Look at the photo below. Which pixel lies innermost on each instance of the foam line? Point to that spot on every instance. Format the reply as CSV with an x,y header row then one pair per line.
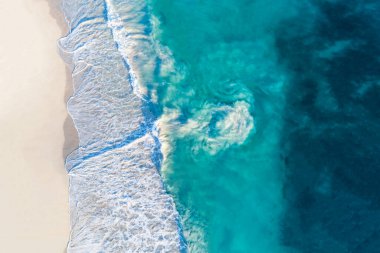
x,y
117,200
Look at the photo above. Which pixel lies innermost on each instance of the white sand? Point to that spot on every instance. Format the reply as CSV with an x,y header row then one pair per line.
x,y
34,213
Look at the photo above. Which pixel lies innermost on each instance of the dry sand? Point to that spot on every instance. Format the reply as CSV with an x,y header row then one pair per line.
x,y
34,215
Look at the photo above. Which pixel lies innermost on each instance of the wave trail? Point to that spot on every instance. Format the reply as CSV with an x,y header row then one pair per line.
x,y
117,200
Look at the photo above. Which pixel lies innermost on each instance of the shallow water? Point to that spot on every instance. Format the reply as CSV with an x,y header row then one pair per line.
x,y
224,168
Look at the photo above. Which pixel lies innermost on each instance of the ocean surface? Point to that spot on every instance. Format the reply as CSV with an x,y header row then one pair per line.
x,y
224,126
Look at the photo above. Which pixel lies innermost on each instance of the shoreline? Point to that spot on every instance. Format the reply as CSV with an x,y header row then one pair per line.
x,y
116,151
70,131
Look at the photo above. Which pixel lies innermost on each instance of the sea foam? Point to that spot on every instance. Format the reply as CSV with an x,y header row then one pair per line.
x,y
117,200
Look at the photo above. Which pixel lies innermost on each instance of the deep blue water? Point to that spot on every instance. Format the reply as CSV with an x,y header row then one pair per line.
x,y
331,139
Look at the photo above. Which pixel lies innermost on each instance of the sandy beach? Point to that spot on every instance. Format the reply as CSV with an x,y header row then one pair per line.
x,y
34,213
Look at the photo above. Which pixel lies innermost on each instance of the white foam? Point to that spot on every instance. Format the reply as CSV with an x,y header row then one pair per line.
x,y
214,127
117,200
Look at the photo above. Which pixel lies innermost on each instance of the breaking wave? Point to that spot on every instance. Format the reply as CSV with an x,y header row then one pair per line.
x,y
118,202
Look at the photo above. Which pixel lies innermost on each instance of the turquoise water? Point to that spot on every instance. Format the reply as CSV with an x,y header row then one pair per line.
x,y
225,169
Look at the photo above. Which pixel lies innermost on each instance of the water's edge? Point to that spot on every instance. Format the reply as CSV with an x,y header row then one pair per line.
x,y
117,198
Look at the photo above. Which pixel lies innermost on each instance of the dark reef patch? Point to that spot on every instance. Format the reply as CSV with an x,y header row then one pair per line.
x,y
331,139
